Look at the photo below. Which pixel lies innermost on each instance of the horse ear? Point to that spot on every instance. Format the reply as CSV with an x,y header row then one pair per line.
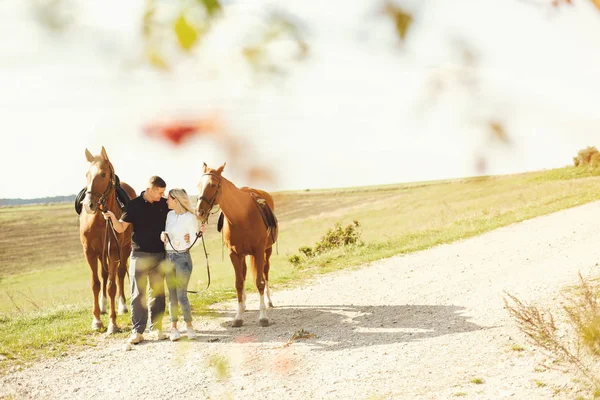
x,y
204,167
103,153
221,168
89,155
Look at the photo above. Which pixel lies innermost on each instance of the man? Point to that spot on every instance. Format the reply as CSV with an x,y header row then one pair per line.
x,y
147,213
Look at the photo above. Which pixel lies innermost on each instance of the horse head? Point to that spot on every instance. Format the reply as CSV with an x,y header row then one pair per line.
x,y
100,181
210,191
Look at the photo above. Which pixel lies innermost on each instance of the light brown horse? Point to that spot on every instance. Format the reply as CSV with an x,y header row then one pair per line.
x,y
100,242
245,233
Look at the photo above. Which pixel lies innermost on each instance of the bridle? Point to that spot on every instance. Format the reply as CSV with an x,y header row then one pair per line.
x,y
101,203
210,202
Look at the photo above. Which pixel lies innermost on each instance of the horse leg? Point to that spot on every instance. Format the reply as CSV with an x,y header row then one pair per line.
x,y
104,283
237,262
244,269
112,291
257,261
266,268
93,263
123,267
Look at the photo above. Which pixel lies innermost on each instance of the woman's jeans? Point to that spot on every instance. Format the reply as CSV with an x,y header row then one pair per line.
x,y
179,271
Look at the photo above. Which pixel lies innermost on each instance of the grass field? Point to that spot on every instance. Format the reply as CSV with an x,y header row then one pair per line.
x,y
45,296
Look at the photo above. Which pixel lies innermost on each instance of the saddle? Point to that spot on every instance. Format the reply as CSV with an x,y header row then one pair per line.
x,y
122,197
266,213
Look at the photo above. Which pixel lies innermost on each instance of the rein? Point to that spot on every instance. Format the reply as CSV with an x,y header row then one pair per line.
x,y
101,205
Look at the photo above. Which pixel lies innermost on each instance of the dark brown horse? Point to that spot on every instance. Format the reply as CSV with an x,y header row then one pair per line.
x,y
246,232
100,242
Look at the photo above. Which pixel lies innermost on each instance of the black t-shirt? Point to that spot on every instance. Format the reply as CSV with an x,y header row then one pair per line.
x,y
148,220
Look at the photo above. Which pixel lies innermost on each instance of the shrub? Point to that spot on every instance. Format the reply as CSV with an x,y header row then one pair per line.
x,y
587,156
338,236
334,238
294,260
307,251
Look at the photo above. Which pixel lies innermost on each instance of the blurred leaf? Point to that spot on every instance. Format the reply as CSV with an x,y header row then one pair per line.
x,y
256,173
55,15
401,18
147,19
303,50
212,6
156,59
254,55
186,33
499,132
597,4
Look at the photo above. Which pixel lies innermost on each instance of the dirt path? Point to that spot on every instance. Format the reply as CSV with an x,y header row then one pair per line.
x,y
421,326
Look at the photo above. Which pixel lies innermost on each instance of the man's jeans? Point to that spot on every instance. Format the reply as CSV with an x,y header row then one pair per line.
x,y
146,267
179,271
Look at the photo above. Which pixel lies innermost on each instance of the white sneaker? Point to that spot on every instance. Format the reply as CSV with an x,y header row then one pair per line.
x,y
191,333
174,336
159,335
135,338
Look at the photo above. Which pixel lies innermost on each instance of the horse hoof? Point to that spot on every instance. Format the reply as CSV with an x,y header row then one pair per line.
x,y
263,322
97,325
112,328
123,310
103,312
271,304
237,323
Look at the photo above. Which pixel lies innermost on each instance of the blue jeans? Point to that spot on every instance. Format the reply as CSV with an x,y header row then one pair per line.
x,y
144,268
179,271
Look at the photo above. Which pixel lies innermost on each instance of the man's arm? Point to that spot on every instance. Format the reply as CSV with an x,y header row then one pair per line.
x,y
120,226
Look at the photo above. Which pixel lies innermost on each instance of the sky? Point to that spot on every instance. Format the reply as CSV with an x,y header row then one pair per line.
x,y
358,111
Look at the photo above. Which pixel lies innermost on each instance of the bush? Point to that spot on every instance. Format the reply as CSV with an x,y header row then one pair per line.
x,y
334,238
588,156
338,237
307,251
295,260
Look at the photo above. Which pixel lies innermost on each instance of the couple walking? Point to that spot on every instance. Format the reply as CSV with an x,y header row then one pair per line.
x,y
163,232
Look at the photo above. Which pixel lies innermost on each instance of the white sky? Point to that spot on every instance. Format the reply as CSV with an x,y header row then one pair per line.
x,y
356,113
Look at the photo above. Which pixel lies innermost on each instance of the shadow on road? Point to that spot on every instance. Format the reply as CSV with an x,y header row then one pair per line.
x,y
347,326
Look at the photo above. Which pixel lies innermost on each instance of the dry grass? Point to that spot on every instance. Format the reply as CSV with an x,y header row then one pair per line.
x,y
579,342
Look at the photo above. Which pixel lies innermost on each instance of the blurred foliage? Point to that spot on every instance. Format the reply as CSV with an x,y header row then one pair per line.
x,y
194,21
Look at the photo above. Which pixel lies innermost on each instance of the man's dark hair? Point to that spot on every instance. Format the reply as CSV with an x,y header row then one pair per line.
x,y
157,181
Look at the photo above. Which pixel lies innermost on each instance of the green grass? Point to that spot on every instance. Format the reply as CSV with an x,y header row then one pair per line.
x,y
45,283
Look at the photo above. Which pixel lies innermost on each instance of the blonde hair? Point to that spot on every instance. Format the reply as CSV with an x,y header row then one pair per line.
x,y
182,198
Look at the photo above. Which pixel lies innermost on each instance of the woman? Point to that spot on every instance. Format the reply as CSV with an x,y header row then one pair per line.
x,y
180,231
